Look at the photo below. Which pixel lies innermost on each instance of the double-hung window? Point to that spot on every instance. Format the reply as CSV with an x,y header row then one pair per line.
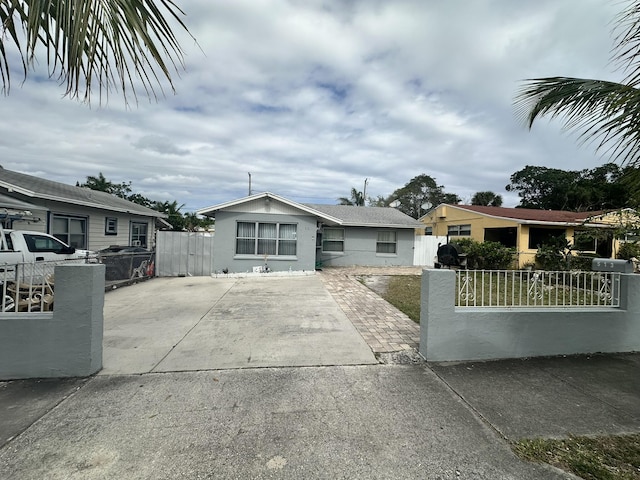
x,y
387,242
333,240
70,230
139,234
110,226
459,230
261,238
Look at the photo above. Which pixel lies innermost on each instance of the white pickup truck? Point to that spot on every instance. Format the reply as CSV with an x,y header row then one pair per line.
x,y
21,246
27,262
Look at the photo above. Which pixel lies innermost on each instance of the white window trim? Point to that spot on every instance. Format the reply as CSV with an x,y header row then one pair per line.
x,y
337,253
385,254
114,230
459,229
253,256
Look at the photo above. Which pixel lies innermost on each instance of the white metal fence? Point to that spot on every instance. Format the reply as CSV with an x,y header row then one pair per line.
x,y
27,287
184,254
518,288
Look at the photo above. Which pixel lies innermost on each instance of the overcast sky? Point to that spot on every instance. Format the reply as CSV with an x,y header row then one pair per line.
x,y
314,96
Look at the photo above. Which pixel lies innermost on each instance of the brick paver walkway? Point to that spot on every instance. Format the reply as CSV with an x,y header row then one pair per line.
x,y
385,328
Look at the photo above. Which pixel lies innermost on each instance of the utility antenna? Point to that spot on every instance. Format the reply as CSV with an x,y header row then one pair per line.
x,y
364,191
249,183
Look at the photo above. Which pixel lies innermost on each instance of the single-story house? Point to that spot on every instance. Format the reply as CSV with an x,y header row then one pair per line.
x,y
78,216
522,228
267,230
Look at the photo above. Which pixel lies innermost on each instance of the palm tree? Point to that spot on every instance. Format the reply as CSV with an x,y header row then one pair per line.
x,y
608,112
172,210
487,198
94,43
357,199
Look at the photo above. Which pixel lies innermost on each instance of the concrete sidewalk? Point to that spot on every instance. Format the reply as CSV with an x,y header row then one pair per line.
x,y
380,421
551,397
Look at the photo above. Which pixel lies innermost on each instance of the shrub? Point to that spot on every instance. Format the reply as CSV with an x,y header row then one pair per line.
x,y
629,250
554,254
486,255
582,262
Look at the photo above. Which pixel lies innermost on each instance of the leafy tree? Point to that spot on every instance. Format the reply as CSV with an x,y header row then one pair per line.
x,y
356,199
174,215
140,200
546,188
606,112
178,220
101,184
379,201
419,191
94,43
192,222
487,199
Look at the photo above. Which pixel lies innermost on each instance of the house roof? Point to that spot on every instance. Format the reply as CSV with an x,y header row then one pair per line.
x,y
346,215
530,215
368,216
10,203
35,187
211,211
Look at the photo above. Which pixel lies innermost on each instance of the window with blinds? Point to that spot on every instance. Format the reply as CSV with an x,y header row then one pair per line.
x,y
333,240
258,238
386,242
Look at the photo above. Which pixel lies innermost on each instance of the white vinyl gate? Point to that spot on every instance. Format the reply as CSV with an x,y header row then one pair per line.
x,y
425,249
180,254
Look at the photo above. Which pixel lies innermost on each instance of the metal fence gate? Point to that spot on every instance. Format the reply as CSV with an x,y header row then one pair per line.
x,y
184,254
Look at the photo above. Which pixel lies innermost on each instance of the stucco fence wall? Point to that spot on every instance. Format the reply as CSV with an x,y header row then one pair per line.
x,y
449,333
64,343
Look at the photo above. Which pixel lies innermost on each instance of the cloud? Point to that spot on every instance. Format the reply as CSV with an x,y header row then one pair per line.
x,y
314,97
159,144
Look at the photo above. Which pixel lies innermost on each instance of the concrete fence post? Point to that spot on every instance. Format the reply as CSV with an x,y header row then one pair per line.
x,y
437,305
79,304
64,343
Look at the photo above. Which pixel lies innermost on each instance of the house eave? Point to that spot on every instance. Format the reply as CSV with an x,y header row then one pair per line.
x,y
380,225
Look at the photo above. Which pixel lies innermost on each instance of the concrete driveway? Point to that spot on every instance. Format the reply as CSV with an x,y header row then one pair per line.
x,y
203,323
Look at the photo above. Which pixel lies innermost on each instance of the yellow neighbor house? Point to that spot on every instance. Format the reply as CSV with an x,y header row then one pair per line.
x,y
524,229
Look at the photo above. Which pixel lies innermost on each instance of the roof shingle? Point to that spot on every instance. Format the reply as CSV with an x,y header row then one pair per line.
x,y
36,187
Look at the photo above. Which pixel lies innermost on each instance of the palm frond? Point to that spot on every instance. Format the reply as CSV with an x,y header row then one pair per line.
x,y
102,44
604,112
626,49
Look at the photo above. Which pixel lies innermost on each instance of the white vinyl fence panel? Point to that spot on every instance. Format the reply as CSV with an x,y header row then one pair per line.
x,y
184,254
426,249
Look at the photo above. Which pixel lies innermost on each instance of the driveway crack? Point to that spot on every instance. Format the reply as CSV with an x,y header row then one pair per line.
x,y
193,327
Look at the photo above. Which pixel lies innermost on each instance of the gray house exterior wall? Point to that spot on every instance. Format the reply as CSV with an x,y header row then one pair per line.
x,y
360,248
225,243
97,238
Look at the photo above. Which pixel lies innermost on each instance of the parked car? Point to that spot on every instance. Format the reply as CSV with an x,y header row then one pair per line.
x,y
121,249
126,262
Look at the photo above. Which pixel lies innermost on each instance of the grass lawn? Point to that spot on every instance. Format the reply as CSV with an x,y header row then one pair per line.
x,y
615,457
403,292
